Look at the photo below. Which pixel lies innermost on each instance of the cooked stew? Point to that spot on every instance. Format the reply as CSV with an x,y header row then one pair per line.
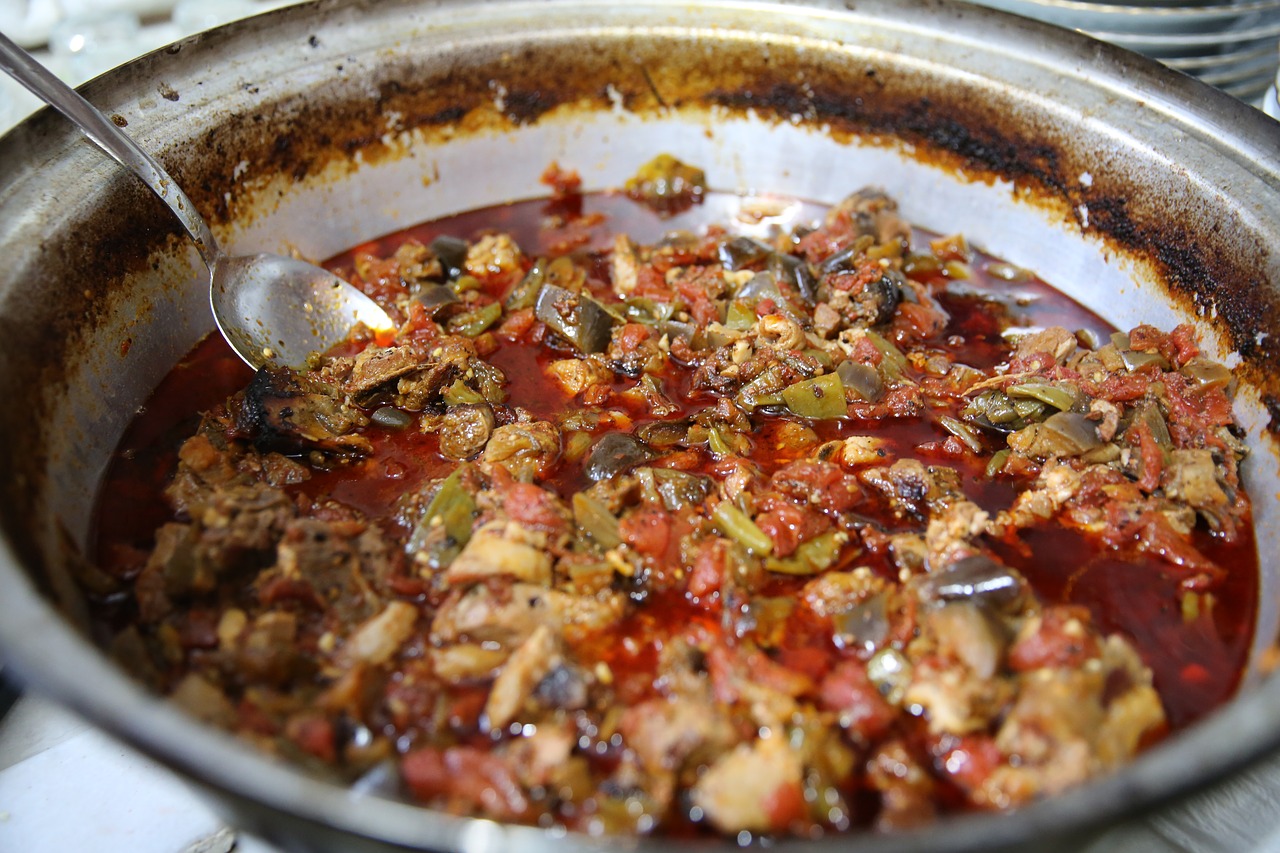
x,y
639,524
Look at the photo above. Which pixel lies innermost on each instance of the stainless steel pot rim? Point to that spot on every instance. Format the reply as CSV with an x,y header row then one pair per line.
x,y
1225,741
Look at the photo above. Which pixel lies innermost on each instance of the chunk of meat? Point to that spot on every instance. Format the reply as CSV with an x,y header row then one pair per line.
x,y
415,390
502,549
509,614
665,732
465,430
757,787
1056,341
495,258
912,488
465,780
835,592
290,412
526,450
377,366
339,560
906,788
1192,477
535,657
377,639
951,534
267,650
575,375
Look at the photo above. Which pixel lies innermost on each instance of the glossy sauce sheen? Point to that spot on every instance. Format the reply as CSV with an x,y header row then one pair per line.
x,y
1196,666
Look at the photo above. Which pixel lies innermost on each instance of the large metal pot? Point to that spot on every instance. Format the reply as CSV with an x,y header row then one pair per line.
x,y
1140,192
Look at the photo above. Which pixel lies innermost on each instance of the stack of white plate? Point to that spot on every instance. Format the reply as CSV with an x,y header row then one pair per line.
x,y
1271,102
1232,46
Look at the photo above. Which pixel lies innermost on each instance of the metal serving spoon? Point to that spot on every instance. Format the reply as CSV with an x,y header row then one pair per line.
x,y
271,309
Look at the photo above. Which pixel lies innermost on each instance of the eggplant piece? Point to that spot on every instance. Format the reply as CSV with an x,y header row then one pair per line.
x,y
1204,374
436,298
978,579
391,418
741,252
878,300
795,273
576,317
862,379
760,286
615,453
663,435
677,489
864,626
1061,434
452,252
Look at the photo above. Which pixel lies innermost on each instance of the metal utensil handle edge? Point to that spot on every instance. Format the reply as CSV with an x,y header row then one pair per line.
x,y
100,130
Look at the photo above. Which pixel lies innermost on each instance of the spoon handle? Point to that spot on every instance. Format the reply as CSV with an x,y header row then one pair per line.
x,y
100,130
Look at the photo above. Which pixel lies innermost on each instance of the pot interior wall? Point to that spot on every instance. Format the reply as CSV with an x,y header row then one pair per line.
x,y
316,135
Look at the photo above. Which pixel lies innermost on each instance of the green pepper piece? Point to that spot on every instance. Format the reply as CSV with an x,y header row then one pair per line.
x,y
741,316
739,527
893,364
816,555
525,294
761,391
996,463
716,442
594,519
1057,396
962,431
821,398
472,323
451,507
460,394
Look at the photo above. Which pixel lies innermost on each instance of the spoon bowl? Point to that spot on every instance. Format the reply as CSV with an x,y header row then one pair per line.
x,y
273,310
276,310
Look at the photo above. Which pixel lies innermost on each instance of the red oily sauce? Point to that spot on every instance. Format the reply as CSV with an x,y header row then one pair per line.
x,y
669,611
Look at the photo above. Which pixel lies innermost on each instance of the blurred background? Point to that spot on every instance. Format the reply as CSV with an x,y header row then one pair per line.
x,y
80,39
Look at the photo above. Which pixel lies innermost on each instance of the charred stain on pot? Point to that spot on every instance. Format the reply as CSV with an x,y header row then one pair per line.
x,y
525,106
948,125
166,91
